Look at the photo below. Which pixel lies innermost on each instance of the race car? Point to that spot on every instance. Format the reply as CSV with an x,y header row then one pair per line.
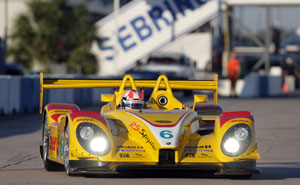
x,y
161,133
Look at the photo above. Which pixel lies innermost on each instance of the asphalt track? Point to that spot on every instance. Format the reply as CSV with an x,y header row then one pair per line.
x,y
278,137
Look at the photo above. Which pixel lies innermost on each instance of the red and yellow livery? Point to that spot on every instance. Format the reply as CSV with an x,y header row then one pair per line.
x,y
164,134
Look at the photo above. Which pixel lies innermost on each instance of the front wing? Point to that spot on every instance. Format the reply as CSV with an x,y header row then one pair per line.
x,y
100,167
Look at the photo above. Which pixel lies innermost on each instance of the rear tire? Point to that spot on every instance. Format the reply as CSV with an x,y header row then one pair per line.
x,y
48,165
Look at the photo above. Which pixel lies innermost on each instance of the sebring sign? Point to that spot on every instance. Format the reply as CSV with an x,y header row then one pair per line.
x,y
143,26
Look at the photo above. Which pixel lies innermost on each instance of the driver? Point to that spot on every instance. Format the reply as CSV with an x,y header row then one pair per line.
x,y
132,100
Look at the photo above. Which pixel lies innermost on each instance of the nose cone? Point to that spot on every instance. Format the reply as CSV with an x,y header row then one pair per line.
x,y
164,125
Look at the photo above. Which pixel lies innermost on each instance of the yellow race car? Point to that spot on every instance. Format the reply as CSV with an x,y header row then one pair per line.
x,y
161,133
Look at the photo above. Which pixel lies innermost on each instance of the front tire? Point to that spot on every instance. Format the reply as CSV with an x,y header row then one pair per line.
x,y
48,165
66,151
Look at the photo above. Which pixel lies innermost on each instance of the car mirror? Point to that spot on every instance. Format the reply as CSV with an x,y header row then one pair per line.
x,y
108,97
199,99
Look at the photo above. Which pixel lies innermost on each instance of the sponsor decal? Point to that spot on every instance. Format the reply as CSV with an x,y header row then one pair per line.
x,y
147,138
124,155
198,150
143,133
129,147
130,150
205,148
201,146
203,155
239,116
135,126
85,120
88,115
241,121
122,148
138,156
52,143
190,155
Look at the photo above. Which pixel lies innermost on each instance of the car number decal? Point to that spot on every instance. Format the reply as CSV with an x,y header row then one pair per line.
x,y
166,134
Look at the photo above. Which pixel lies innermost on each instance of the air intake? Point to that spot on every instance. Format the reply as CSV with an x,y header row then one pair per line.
x,y
166,156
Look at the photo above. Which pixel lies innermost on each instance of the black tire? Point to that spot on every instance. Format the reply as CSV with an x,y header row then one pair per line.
x,y
48,165
66,152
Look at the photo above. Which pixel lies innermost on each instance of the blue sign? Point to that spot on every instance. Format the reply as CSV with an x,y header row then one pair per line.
x,y
144,30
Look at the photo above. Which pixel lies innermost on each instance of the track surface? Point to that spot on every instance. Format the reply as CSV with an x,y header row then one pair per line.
x,y
278,137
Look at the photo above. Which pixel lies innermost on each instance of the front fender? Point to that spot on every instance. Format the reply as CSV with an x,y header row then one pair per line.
x,y
224,123
75,119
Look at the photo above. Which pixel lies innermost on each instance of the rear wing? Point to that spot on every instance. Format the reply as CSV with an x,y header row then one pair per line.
x,y
53,83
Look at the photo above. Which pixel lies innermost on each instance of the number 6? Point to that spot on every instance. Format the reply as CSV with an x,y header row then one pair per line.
x,y
166,134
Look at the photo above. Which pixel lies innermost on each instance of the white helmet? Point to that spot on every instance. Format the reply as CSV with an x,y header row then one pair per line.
x,y
132,100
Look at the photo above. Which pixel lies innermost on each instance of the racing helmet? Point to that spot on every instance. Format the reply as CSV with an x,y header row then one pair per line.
x,y
132,100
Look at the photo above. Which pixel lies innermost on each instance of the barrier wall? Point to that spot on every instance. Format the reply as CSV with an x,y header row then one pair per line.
x,y
22,95
3,95
253,86
257,85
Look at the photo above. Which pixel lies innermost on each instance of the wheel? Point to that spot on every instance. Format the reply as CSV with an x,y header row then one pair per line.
x,y
66,152
49,165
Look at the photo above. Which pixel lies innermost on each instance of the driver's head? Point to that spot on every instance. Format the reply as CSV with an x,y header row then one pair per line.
x,y
132,100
